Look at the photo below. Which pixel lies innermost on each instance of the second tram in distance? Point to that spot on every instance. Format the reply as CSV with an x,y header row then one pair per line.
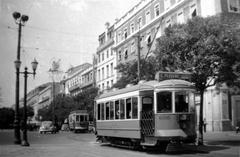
x,y
78,121
147,114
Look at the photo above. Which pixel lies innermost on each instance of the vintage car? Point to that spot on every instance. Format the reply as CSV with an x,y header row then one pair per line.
x,y
47,126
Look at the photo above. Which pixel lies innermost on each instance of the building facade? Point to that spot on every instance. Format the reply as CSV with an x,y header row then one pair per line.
x,y
136,31
106,74
73,80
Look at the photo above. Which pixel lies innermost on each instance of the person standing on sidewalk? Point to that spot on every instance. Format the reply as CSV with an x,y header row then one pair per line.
x,y
204,124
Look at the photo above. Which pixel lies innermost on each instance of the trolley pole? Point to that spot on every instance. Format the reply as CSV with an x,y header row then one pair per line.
x,y
139,55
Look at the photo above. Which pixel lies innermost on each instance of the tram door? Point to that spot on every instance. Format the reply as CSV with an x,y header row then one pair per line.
x,y
147,117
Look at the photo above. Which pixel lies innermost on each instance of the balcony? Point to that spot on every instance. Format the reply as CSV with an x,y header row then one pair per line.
x,y
73,87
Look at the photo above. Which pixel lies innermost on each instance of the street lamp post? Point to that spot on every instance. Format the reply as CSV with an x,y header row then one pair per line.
x,y
25,73
19,20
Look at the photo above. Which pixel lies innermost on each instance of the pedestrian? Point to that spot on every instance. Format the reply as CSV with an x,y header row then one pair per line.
x,y
204,124
238,127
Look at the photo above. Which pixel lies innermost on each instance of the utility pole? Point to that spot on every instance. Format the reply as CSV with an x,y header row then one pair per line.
x,y
139,55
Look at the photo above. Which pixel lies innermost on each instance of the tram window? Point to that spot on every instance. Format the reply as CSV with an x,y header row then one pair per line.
x,y
111,111
147,104
128,108
81,118
98,111
134,107
122,109
102,111
117,112
181,102
164,102
107,110
77,118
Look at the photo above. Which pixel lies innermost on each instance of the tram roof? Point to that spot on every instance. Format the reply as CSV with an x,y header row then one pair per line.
x,y
174,83
149,85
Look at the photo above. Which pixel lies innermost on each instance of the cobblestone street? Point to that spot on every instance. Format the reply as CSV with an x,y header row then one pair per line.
x,y
67,143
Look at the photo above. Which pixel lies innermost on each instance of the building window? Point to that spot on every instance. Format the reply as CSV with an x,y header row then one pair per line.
x,y
157,10
108,85
167,4
193,10
148,17
111,83
99,58
180,17
132,28
148,39
107,71
126,54
233,6
125,33
168,23
132,47
119,36
139,22
107,54
119,55
103,56
111,69
102,73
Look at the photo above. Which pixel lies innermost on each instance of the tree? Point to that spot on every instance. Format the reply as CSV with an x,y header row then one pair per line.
x,y
64,104
85,100
30,112
129,73
206,47
6,118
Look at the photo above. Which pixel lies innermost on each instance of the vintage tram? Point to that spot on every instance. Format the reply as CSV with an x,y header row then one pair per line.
x,y
78,121
150,113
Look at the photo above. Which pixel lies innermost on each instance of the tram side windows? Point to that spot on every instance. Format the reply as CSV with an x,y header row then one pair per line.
x,y
147,104
134,107
164,102
98,111
122,109
77,118
128,108
102,111
117,111
81,118
107,105
111,111
181,101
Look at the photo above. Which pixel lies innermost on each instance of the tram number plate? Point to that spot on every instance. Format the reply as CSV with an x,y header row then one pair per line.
x,y
164,117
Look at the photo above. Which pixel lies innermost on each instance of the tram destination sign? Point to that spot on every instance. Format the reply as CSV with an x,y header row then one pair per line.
x,y
163,75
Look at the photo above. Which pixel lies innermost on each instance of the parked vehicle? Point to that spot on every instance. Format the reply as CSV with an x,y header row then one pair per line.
x,y
150,114
47,126
79,121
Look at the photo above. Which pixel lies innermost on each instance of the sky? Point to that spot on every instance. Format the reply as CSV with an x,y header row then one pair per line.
x,y
65,30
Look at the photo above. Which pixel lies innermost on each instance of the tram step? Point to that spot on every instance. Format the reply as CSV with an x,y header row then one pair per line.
x,y
173,147
149,141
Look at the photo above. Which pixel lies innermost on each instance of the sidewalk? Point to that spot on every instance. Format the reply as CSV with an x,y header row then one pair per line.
x,y
220,144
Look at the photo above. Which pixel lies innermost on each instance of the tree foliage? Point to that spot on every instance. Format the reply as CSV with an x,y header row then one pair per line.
x,y
206,47
129,72
64,104
60,107
30,112
6,118
85,100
